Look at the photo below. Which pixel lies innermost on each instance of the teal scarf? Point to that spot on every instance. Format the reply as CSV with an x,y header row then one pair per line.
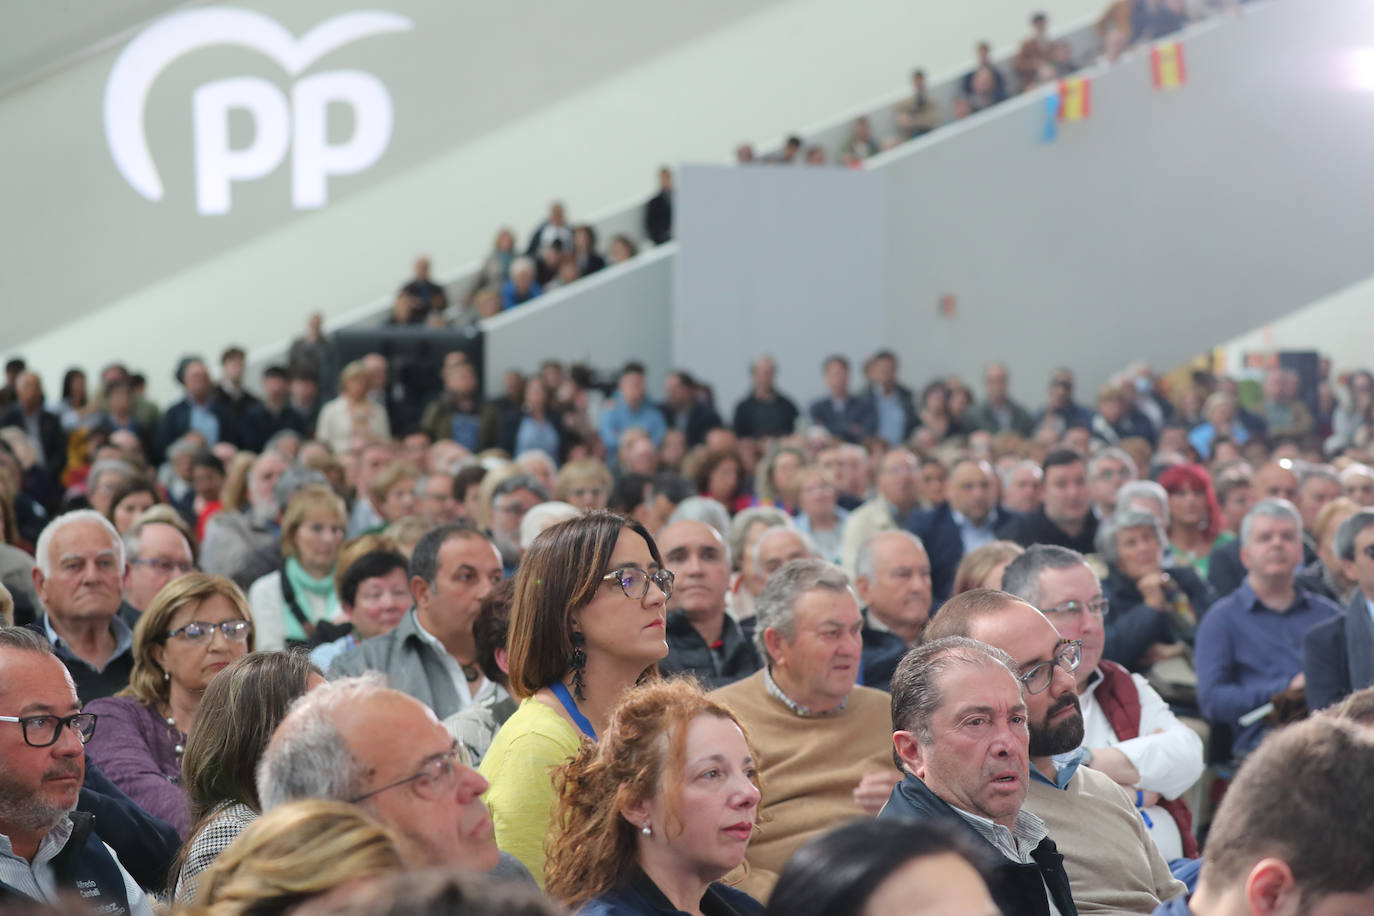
x,y
304,585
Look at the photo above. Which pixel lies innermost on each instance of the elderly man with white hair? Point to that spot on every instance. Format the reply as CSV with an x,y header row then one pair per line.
x,y
105,477
78,574
231,537
542,517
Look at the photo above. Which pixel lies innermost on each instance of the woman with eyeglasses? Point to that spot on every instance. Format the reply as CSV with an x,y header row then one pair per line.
x,y
587,624
290,603
658,811
195,628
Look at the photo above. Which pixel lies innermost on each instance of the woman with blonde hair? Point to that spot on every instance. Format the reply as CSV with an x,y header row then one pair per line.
x,y
585,484
295,853
352,419
983,567
586,624
289,603
196,626
775,479
663,806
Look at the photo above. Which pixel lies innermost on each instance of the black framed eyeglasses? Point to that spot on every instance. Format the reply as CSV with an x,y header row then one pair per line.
x,y
43,731
1038,677
1098,607
634,582
432,781
198,632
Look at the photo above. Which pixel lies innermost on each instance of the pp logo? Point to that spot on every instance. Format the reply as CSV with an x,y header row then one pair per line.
x,y
280,124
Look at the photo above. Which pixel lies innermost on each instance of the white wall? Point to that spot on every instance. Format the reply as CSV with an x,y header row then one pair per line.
x,y
1340,326
794,64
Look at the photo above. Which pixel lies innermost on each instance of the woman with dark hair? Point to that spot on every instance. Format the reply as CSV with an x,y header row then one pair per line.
x,y
131,498
884,868
720,475
75,403
654,814
1352,423
587,623
1195,517
239,712
775,479
934,411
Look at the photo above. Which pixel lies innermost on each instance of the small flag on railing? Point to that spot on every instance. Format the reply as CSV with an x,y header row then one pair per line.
x,y
1166,65
1050,129
1075,99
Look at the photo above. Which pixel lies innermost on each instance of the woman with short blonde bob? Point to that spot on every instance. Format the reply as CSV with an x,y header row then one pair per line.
x,y
295,853
654,814
586,624
193,629
983,567
288,603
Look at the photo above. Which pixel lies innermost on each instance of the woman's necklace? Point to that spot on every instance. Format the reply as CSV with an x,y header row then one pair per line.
x,y
177,735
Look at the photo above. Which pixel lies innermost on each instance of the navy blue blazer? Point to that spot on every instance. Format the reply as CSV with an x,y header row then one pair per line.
x,y
853,422
938,531
177,420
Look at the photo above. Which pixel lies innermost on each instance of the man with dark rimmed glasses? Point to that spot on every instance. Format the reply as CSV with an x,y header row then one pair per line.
x,y
47,848
1112,863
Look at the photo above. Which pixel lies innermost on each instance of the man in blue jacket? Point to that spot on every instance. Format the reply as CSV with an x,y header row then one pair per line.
x,y
1338,655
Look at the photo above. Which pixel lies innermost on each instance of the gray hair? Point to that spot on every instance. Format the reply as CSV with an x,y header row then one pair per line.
x,y
1356,470
522,264
517,482
1145,489
542,516
22,639
307,757
708,511
536,454
296,477
807,542
1280,509
1308,472
863,561
1125,520
743,521
916,695
1008,473
1349,530
279,437
776,608
108,466
183,446
1112,453
43,548
1022,575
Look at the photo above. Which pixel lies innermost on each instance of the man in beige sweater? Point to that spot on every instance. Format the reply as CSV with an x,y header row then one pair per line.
x,y
824,744
1113,865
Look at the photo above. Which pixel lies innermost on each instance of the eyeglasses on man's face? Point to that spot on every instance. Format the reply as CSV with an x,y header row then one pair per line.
x,y
433,780
634,582
43,731
1038,677
199,632
1097,607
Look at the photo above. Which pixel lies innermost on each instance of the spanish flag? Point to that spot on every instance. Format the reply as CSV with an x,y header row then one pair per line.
x,y
1075,99
1166,65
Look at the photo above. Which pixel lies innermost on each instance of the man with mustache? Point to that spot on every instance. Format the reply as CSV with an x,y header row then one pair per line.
x,y
47,848
1112,864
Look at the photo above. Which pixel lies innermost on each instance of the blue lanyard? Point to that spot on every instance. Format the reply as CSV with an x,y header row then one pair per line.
x,y
566,699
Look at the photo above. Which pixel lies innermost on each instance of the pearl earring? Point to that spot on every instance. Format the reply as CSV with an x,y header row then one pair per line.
x,y
166,676
645,829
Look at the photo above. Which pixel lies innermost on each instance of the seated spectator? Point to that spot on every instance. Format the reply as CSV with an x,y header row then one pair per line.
x,y
405,311
543,517
1111,862
521,287
658,213
1357,483
109,475
894,504
393,492
720,476
1220,420
1023,487
1338,655
1326,575
237,714
129,500
439,891
1270,851
585,484
1250,643
765,412
643,832
429,296
886,867
996,90
510,500
431,654
582,630
919,114
158,548
621,249
475,726
435,504
860,144
352,419
631,410
289,604
822,740
847,416
584,254
1036,52
495,269
965,520
1152,606
194,629
1225,569
1109,470
1129,732
456,414
775,478
554,228
295,853
1151,19
974,788
374,595
684,408
818,513
891,404
1065,518
42,768
539,428
1235,495
198,411
892,579
703,640
984,567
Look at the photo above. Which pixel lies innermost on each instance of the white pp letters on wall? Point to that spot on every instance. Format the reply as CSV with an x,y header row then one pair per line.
x,y
297,125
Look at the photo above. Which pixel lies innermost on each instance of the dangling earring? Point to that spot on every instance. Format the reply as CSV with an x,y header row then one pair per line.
x,y
579,663
645,829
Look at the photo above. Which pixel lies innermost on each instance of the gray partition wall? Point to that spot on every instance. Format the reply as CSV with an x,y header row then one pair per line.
x,y
1166,222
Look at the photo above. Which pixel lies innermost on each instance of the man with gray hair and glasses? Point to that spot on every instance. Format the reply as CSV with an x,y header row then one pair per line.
x,y
1338,655
959,735
822,741
47,848
1249,644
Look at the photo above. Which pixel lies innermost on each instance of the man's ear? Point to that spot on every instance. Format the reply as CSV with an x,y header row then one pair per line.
x,y
862,585
909,749
419,590
772,640
1270,888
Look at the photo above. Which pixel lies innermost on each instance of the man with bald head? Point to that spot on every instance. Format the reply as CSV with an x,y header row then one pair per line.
x,y
702,639
1225,571
967,519
1113,865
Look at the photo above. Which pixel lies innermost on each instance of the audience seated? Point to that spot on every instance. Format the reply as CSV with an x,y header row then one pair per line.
x,y
968,519
157,548
476,725
654,813
919,114
1065,518
897,498
290,604
892,580
846,415
1338,655
765,411
373,588
983,568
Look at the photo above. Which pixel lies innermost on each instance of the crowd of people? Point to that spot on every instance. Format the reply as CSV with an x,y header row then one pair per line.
x,y
565,647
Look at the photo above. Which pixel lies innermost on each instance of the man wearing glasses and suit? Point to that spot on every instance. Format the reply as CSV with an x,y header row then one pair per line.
x,y
1113,865
47,848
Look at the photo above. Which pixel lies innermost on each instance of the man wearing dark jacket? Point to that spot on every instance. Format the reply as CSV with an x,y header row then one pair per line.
x,y
1065,518
43,426
200,410
684,411
658,214
967,520
702,639
1338,656
847,416
960,736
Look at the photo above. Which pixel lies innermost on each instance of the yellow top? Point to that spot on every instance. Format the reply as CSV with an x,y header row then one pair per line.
x,y
519,765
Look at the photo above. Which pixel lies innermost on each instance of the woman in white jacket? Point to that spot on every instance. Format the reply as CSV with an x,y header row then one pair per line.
x,y
289,603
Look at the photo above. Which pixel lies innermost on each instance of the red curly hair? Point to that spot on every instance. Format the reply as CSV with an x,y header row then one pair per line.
x,y
1182,477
